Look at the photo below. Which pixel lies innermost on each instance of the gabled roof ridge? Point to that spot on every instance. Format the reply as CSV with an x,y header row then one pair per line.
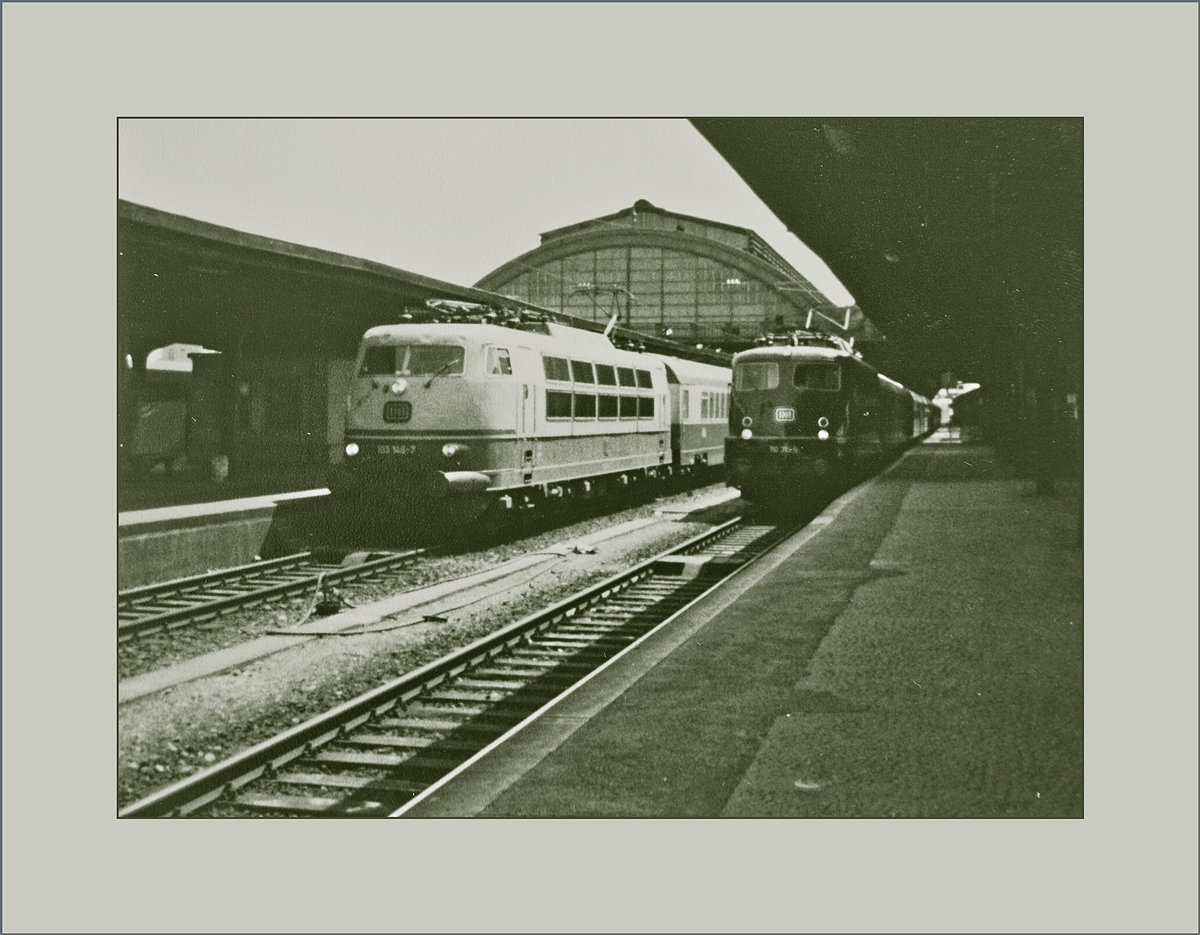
x,y
645,206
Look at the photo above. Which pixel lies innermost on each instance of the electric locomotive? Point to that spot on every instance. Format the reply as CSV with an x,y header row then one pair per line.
x,y
807,412
481,408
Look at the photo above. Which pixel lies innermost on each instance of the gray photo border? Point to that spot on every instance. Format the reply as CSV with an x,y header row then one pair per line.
x,y
71,69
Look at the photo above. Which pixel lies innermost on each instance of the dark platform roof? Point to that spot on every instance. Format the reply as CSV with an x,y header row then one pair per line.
x,y
179,234
184,280
962,238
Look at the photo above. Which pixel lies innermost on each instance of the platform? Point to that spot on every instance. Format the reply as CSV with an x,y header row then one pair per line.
x,y
170,542
916,651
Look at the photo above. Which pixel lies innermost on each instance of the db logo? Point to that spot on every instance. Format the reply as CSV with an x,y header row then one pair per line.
x,y
785,414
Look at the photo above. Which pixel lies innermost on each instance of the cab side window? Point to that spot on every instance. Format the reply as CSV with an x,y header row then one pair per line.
x,y
498,362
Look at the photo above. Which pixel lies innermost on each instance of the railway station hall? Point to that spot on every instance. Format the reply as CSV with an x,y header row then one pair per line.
x,y
236,351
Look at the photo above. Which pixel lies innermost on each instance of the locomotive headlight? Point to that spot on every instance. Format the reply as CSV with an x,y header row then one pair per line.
x,y
351,450
823,423
823,435
450,449
399,386
746,434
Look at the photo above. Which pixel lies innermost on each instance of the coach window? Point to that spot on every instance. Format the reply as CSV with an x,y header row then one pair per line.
x,y
629,407
756,376
644,381
625,375
645,405
585,406
556,369
818,377
608,407
606,375
582,372
558,405
498,363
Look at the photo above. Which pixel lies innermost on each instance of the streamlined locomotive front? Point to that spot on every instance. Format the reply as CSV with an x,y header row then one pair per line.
x,y
416,425
788,420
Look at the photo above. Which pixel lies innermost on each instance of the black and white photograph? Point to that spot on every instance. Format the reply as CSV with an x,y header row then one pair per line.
x,y
656,472
637,522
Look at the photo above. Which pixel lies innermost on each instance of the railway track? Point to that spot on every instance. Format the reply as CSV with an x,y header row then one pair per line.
x,y
184,601
374,754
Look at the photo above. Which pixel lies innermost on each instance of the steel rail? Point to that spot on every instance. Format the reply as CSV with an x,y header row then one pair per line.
x,y
130,596
222,779
203,597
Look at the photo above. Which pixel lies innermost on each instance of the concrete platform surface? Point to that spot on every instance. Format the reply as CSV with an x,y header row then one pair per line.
x,y
918,651
171,542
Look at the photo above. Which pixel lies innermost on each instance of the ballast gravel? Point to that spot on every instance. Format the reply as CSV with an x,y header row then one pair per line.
x,y
168,735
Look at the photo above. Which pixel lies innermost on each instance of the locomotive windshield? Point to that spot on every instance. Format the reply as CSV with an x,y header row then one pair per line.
x,y
818,377
411,360
756,376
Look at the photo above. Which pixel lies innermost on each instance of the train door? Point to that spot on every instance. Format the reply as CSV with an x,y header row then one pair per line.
x,y
528,364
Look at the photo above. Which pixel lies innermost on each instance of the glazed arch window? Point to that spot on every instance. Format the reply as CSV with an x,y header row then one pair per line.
x,y
606,375
644,381
626,377
582,372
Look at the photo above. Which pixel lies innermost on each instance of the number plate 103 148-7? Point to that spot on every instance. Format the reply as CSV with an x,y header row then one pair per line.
x,y
396,449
